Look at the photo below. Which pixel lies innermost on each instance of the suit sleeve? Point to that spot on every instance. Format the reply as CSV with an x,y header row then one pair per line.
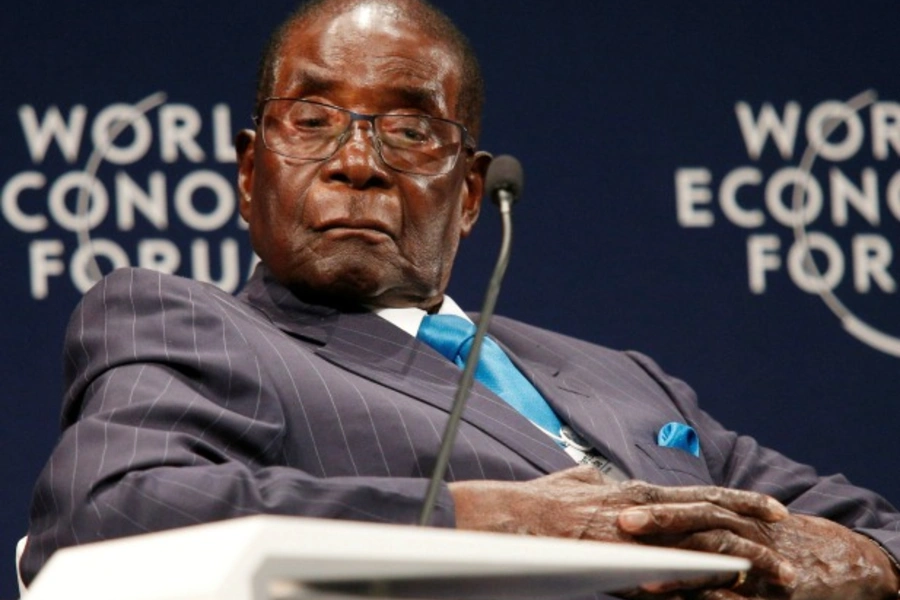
x,y
160,429
738,461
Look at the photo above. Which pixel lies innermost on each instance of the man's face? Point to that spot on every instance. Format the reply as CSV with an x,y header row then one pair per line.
x,y
350,228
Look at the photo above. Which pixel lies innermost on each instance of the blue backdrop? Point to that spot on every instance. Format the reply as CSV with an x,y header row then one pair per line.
x,y
662,143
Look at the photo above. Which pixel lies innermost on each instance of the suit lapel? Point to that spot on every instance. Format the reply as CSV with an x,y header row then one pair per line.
x,y
375,349
371,347
608,400
595,415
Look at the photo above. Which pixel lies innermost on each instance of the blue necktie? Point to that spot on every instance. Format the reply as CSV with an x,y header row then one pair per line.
x,y
452,336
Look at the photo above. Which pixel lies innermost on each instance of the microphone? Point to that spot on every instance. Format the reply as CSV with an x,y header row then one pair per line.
x,y
504,179
503,182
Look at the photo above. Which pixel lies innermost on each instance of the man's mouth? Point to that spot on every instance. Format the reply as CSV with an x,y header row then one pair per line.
x,y
361,227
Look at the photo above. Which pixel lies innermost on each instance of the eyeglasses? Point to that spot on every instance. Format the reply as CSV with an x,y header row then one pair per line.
x,y
410,143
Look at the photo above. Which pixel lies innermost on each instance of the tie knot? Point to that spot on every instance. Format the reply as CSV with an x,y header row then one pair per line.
x,y
448,334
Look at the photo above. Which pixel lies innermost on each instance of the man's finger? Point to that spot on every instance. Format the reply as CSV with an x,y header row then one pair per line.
x,y
767,565
742,502
689,518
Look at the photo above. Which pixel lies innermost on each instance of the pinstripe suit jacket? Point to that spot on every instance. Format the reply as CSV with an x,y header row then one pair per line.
x,y
186,405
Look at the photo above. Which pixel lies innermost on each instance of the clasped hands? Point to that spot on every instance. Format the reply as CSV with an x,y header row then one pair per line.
x,y
793,556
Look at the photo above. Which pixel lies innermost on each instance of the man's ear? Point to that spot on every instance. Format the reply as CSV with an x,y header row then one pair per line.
x,y
474,190
244,144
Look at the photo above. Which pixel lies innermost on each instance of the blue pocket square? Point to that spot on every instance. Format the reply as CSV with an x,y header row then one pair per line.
x,y
679,435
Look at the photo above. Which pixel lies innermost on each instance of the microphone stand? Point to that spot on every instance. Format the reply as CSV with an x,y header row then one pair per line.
x,y
505,199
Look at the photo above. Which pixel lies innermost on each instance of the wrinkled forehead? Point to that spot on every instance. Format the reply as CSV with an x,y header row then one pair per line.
x,y
372,46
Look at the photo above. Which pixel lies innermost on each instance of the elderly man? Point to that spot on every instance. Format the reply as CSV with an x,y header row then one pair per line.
x,y
310,394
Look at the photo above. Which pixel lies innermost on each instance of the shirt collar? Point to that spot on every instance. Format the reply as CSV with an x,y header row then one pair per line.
x,y
409,319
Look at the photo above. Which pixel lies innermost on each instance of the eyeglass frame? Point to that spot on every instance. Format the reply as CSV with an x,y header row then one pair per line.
x,y
467,142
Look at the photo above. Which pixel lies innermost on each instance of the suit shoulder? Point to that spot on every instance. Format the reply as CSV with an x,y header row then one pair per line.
x,y
128,300
145,290
138,280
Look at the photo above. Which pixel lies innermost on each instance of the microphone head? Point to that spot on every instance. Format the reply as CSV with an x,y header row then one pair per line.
x,y
504,175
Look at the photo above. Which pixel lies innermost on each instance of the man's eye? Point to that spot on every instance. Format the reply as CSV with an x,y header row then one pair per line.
x,y
407,133
310,123
414,135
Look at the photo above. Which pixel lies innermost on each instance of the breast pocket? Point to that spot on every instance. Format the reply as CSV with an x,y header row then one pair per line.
x,y
671,466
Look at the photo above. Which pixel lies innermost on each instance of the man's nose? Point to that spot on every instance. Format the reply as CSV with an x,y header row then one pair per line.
x,y
357,161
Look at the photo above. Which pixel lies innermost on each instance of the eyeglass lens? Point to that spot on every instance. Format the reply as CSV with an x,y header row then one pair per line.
x,y
312,131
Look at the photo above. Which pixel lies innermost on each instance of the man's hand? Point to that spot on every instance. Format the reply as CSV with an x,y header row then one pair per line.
x,y
581,503
830,561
